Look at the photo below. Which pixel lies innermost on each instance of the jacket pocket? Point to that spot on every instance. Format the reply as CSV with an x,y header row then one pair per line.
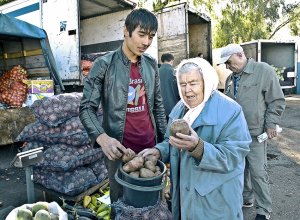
x,y
249,92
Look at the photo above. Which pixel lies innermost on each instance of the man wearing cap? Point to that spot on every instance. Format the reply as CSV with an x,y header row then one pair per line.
x,y
255,86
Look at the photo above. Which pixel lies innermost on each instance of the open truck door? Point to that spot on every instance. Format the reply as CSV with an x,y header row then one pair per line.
x,y
63,35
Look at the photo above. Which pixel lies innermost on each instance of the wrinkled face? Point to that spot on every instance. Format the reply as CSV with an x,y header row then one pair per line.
x,y
139,41
192,87
235,63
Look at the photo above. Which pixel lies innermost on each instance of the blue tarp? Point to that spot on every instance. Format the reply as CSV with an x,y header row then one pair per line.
x,y
10,26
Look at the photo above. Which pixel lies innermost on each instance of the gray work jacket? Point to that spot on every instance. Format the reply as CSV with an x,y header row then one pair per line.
x,y
260,96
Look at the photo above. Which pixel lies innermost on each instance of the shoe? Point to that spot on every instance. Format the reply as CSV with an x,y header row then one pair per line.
x,y
262,217
248,204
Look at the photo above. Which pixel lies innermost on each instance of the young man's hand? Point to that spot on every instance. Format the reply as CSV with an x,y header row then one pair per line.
x,y
111,147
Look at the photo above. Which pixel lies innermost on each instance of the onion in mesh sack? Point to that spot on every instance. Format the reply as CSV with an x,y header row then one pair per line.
x,y
13,91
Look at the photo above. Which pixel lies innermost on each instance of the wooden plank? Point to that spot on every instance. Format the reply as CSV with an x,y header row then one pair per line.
x,y
77,198
24,53
27,53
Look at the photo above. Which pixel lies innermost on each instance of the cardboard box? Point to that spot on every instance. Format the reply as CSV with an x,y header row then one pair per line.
x,y
33,97
39,86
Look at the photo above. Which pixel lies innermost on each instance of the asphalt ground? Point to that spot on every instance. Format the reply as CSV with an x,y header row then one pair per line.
x,y
283,166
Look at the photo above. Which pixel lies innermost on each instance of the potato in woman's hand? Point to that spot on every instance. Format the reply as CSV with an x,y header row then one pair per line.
x,y
179,126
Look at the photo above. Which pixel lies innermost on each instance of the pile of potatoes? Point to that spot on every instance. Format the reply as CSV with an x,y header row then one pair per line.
x,y
140,167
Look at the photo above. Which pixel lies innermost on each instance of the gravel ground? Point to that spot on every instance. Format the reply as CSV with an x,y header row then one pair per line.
x,y
284,166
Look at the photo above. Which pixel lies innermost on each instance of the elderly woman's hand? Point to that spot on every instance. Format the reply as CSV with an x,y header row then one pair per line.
x,y
185,142
150,151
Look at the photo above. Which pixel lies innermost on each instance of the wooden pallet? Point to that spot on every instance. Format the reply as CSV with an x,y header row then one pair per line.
x,y
77,198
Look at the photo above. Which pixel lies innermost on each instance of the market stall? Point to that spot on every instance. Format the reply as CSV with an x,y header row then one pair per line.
x,y
27,72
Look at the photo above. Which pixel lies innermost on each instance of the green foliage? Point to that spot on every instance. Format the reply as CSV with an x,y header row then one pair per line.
x,y
158,5
293,12
245,20
279,72
3,2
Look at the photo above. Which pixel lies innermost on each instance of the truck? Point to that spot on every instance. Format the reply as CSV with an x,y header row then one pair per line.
x,y
84,30
282,55
75,28
184,31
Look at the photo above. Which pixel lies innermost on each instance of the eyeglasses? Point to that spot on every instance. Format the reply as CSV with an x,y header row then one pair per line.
x,y
228,62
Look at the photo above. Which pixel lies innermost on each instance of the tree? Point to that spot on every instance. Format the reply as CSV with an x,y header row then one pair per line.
x,y
158,5
246,20
3,2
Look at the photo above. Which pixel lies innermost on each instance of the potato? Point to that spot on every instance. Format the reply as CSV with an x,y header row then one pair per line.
x,y
135,174
157,173
135,164
179,126
151,158
150,165
146,173
157,168
129,156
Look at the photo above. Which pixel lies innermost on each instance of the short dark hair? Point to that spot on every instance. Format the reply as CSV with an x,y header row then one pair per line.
x,y
143,18
166,57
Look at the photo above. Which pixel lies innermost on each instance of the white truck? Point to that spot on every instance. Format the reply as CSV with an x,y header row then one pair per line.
x,y
74,28
282,55
82,28
184,31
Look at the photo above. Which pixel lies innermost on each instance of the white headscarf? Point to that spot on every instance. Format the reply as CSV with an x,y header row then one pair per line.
x,y
211,81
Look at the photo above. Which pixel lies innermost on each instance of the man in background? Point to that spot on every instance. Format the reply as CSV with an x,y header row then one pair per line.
x,y
255,86
201,55
168,84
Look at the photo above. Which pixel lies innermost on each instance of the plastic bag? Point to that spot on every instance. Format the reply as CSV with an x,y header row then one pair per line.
x,y
53,207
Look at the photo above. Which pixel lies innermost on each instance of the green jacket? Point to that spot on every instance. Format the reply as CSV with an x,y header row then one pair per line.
x,y
260,96
108,83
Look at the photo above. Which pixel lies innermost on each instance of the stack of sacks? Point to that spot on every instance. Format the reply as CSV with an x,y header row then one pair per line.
x,y
70,165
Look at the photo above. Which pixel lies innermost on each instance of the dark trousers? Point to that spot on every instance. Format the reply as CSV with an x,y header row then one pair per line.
x,y
115,189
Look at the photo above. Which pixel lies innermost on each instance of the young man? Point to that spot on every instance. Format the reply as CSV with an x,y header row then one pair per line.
x,y
255,86
126,83
168,84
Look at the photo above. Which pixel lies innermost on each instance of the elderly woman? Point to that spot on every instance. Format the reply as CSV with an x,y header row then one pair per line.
x,y
207,167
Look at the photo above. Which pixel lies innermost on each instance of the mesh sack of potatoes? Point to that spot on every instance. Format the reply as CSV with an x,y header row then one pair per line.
x,y
126,212
56,109
61,157
70,132
99,169
34,145
69,183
